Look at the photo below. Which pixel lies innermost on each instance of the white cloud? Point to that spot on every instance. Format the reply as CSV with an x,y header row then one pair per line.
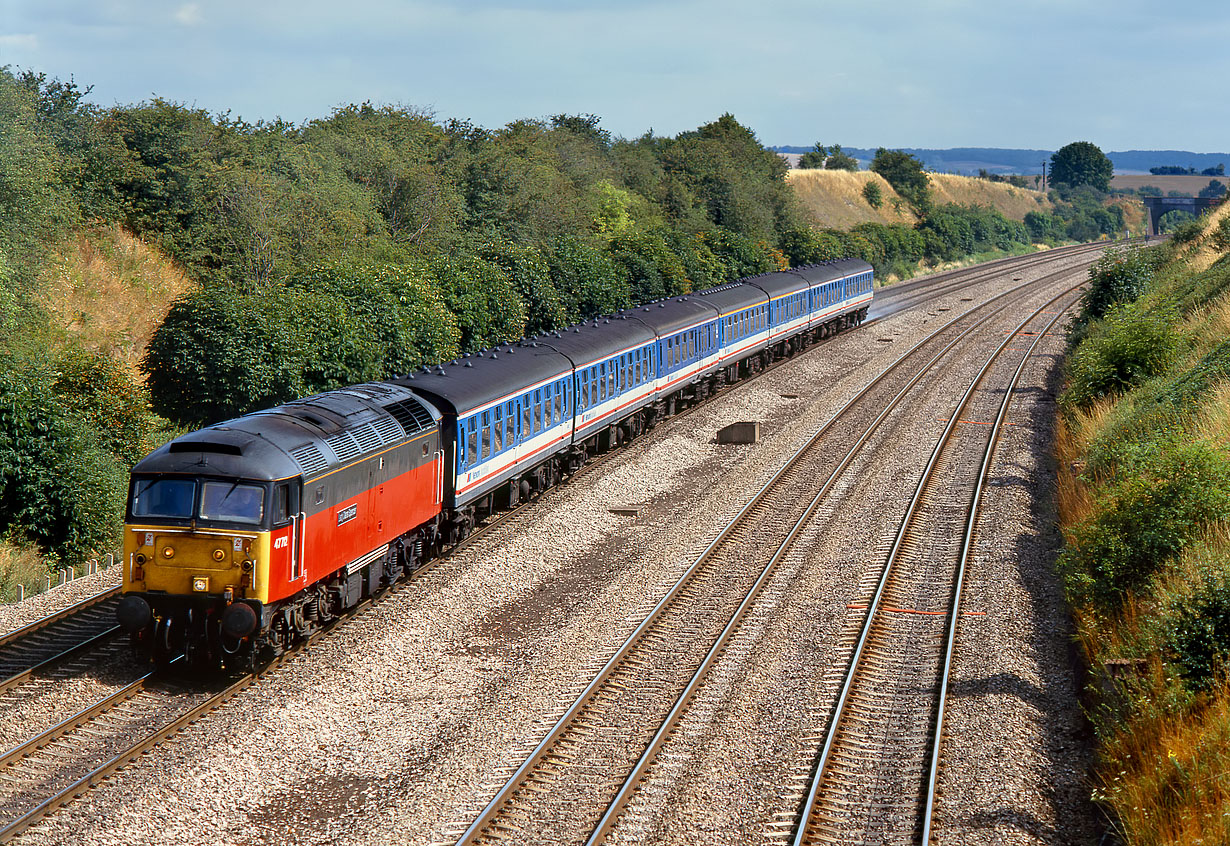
x,y
189,14
19,41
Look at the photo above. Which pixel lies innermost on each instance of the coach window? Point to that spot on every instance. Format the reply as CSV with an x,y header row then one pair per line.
x,y
497,430
472,441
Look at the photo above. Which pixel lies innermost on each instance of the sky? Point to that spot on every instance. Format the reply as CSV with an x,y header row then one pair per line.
x,y
1124,74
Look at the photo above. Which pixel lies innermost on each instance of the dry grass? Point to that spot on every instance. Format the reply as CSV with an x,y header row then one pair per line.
x,y
19,565
1013,203
1203,251
1188,184
1074,434
1168,775
110,291
1214,423
835,197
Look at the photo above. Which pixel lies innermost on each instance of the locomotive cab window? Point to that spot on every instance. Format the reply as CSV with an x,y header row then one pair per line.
x,y
163,498
285,503
232,502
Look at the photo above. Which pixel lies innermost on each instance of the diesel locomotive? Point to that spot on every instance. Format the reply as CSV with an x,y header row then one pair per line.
x,y
246,535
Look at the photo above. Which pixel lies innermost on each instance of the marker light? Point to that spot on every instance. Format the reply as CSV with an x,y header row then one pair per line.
x,y
168,552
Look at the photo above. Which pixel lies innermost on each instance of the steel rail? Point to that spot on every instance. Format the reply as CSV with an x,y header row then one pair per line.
x,y
966,545
162,733
27,674
873,605
602,830
511,786
64,613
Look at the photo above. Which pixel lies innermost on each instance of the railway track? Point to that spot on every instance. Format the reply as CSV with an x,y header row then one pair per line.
x,y
574,780
113,728
876,771
36,648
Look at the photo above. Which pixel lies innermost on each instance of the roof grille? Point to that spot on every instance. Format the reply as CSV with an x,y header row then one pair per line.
x,y
344,445
310,459
390,430
366,436
411,414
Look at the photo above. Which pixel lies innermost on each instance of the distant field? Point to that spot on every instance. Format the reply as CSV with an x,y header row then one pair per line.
x,y
1189,185
835,197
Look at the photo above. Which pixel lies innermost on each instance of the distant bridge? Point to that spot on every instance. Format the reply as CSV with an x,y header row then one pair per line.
x,y
1158,206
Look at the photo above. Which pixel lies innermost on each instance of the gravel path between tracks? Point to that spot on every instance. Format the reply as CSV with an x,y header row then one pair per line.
x,y
395,729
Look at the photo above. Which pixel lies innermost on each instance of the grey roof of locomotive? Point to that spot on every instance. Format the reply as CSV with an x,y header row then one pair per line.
x,y
307,437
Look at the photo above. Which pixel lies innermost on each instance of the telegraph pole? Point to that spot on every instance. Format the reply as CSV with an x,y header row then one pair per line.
x,y
1044,174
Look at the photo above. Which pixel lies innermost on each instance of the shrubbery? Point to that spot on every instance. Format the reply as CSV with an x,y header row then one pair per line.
x,y
1126,347
1198,632
63,447
1158,504
325,327
1117,277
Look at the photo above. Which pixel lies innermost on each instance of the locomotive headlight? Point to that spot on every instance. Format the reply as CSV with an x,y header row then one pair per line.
x,y
168,552
200,584
219,554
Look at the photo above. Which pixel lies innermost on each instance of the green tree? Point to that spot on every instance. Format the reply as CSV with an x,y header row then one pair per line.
x,y
36,204
589,280
839,160
905,173
873,195
814,158
1082,163
58,485
1213,189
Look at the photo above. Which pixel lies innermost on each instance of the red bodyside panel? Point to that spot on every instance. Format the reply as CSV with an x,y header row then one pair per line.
x,y
336,536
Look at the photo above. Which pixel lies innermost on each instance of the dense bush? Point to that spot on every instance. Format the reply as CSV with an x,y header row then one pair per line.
x,y
1197,633
226,351
59,485
905,173
1127,346
1158,504
873,194
1117,277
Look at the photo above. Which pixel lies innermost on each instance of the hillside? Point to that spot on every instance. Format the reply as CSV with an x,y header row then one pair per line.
x,y
835,197
1144,499
970,160
106,291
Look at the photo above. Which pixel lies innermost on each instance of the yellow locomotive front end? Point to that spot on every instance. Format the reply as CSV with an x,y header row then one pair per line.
x,y
196,553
